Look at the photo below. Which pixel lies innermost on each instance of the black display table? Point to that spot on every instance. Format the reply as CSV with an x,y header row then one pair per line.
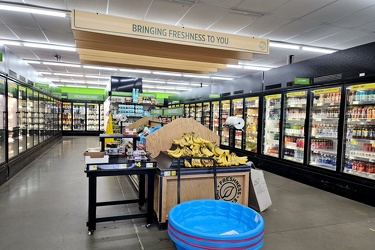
x,y
117,136
116,167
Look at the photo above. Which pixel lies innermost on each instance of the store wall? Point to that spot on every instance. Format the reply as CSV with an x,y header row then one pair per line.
x,y
11,62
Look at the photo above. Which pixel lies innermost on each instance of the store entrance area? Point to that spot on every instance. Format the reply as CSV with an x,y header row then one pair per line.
x,y
45,207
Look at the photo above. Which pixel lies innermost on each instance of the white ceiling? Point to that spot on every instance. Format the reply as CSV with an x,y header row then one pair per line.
x,y
334,24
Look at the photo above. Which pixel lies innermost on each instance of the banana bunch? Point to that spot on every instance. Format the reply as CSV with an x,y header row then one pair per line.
x,y
192,145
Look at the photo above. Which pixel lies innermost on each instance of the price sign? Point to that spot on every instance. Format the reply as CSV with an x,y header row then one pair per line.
x,y
326,91
122,166
363,86
275,96
93,167
149,165
294,94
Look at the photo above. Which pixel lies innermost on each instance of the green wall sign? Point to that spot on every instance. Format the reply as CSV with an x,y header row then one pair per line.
x,y
117,93
41,85
156,112
214,96
301,81
173,111
85,97
1,57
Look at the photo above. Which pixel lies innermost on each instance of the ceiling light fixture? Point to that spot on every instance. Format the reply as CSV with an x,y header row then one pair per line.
x,y
6,42
97,77
32,10
221,78
166,73
163,87
152,81
234,66
73,81
49,46
179,83
62,64
181,88
148,86
195,76
99,68
256,68
319,50
32,62
94,82
67,74
46,73
284,45
136,71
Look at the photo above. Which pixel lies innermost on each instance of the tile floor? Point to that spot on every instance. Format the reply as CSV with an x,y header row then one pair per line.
x,y
45,207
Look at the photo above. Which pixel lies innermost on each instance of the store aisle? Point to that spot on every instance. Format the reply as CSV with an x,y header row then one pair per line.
x,y
45,207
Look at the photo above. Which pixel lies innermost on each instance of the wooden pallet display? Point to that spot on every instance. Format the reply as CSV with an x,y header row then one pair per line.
x,y
162,139
141,121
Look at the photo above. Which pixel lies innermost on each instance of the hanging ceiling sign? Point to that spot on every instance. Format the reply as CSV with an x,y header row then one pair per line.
x,y
119,26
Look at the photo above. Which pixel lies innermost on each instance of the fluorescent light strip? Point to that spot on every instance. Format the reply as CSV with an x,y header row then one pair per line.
x,y
152,81
178,83
97,77
148,86
73,81
67,74
136,71
99,68
319,50
166,73
195,76
234,66
284,45
32,10
161,87
46,73
180,88
198,84
5,42
58,84
221,78
32,62
62,64
256,68
95,82
49,46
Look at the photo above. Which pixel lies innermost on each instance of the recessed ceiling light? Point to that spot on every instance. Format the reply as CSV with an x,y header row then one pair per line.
x,y
256,68
73,81
32,10
5,42
195,76
181,88
99,68
98,77
319,50
46,73
67,74
32,62
178,83
152,81
148,86
284,45
234,66
49,46
163,87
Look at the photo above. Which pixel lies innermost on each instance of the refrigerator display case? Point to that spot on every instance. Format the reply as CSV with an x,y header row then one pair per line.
x,y
224,131
79,116
206,114
41,121
93,117
324,122
294,126
57,116
198,112
13,117
237,105
67,116
215,114
101,119
35,117
359,158
29,116
271,138
186,111
49,116
2,122
192,111
251,128
22,122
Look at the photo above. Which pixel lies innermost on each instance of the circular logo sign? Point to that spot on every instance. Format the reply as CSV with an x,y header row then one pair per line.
x,y
229,189
262,45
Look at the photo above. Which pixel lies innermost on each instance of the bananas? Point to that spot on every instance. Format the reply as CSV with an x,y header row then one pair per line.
x,y
192,145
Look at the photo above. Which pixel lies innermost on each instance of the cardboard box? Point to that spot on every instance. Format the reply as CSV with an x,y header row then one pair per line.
x,y
95,157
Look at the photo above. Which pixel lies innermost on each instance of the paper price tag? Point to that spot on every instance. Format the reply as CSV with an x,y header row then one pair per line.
x,y
149,165
122,166
93,167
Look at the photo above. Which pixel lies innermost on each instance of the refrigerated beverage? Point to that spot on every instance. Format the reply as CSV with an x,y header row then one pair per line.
x,y
359,131
237,110
251,132
272,114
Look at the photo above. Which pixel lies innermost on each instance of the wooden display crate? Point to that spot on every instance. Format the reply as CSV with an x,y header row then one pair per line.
x,y
232,185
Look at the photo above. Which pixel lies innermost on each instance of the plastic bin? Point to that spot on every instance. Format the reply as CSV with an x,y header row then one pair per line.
x,y
215,224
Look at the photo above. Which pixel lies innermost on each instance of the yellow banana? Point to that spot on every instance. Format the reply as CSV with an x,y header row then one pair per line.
x,y
187,164
206,152
176,141
173,151
177,155
211,146
197,140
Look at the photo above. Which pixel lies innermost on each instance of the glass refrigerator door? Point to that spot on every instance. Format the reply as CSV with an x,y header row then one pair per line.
x,y
186,111
215,117
22,110
238,112
41,121
102,128
198,112
360,131
192,111
67,116
79,116
272,111
13,117
325,112
224,131
2,118
206,114
36,117
294,125
48,117
92,117
251,131
29,117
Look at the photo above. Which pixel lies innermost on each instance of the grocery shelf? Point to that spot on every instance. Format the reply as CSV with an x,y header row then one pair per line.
x,y
322,151
295,135
362,157
326,105
361,174
271,154
322,119
323,137
290,158
295,119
